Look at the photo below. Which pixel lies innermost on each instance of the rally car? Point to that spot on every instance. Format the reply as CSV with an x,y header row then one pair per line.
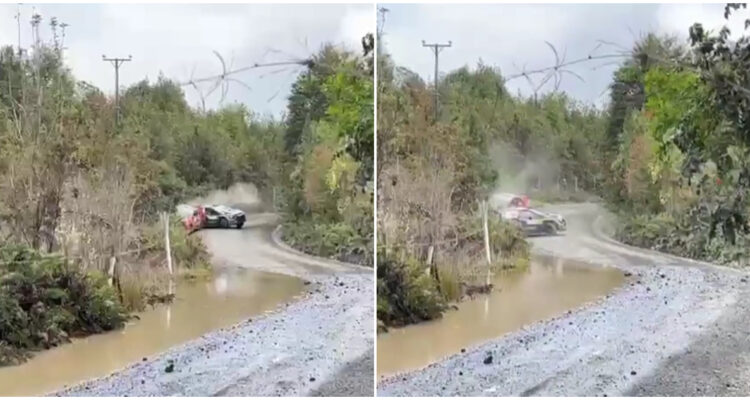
x,y
534,221
215,216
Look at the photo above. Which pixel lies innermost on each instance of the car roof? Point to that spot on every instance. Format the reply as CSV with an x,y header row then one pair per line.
x,y
533,210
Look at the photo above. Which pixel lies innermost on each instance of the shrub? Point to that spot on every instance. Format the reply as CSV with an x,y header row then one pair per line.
x,y
406,294
44,300
188,251
509,245
684,237
337,240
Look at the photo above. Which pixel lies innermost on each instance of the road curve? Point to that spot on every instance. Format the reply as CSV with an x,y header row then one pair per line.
x,y
677,327
319,345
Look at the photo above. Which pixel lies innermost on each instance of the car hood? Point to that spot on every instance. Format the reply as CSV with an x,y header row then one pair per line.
x,y
557,217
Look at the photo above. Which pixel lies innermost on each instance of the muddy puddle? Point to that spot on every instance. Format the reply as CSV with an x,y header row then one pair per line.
x,y
548,288
199,307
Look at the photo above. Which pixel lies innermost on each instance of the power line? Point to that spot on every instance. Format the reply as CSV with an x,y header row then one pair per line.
x,y
436,49
18,18
117,62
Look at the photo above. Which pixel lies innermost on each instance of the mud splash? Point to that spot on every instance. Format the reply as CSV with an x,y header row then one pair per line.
x,y
548,288
199,307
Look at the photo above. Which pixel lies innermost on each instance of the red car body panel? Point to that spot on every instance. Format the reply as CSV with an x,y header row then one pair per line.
x,y
520,201
197,220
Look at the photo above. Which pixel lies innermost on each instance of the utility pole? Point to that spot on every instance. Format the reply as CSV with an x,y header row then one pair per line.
x,y
382,11
117,62
18,19
436,49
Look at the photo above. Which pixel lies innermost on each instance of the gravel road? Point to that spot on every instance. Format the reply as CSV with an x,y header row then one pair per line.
x,y
319,345
677,327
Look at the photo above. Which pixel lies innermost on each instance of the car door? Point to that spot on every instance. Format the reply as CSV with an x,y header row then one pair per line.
x,y
528,218
212,217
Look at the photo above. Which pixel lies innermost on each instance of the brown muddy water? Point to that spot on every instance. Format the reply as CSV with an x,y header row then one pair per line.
x,y
548,288
199,307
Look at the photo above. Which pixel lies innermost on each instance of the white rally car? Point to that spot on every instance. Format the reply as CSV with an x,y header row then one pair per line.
x,y
534,221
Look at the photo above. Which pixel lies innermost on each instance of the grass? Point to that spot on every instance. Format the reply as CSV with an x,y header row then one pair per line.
x,y
147,278
138,285
450,282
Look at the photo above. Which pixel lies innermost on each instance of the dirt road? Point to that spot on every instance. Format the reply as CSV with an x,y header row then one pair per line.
x,y
676,327
321,344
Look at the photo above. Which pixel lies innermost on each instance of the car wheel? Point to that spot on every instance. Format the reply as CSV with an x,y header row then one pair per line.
x,y
551,228
239,225
224,223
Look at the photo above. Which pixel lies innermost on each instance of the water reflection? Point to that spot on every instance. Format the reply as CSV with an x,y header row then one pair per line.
x,y
220,284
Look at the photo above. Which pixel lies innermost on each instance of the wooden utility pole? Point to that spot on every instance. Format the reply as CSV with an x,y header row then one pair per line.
x,y
117,62
436,49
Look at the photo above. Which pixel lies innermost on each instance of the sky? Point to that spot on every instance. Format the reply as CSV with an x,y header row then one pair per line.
x,y
178,41
511,36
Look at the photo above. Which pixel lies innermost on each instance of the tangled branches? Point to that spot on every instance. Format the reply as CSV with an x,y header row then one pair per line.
x,y
222,80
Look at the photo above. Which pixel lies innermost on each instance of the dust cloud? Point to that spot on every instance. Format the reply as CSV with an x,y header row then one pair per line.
x,y
243,196
520,174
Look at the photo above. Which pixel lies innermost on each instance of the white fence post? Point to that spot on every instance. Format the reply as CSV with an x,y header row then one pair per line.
x,y
486,238
166,242
111,271
430,253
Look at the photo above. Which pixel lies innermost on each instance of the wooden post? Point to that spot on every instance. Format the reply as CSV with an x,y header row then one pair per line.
x,y
166,243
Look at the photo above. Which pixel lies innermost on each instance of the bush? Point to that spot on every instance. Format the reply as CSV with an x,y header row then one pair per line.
x,y
188,251
649,231
337,240
406,294
141,282
683,237
44,300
